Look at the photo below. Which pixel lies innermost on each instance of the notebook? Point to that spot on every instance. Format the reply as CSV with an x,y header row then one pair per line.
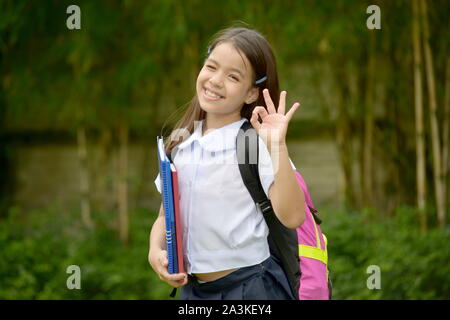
x,y
178,223
170,200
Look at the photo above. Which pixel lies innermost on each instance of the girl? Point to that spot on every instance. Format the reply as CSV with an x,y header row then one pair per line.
x,y
225,236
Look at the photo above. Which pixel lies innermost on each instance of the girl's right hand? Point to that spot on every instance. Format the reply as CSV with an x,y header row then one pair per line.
x,y
159,263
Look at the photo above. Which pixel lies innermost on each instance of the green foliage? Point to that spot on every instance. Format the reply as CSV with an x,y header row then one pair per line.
x,y
36,253
413,265
38,246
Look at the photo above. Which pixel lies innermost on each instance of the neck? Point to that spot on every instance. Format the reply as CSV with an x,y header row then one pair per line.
x,y
215,121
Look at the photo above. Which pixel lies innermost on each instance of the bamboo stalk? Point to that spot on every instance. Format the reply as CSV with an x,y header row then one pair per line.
x,y
84,178
418,104
367,172
434,125
122,186
445,132
344,137
102,193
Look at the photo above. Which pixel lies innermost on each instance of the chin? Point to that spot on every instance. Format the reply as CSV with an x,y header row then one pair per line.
x,y
210,106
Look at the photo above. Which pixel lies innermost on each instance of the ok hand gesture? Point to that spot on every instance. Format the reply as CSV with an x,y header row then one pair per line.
x,y
274,123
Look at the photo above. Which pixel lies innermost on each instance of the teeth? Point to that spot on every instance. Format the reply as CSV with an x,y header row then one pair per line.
x,y
211,94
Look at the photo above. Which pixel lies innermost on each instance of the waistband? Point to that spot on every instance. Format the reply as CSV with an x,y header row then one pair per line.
x,y
233,278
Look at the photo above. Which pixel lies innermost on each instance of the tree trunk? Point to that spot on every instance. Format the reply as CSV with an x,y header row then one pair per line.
x,y
122,186
445,142
418,103
344,136
393,188
102,172
437,172
367,168
84,177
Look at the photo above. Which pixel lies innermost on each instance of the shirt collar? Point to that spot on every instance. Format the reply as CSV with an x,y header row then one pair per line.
x,y
223,138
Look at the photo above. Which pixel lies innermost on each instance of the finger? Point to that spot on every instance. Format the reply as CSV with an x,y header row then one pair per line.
x,y
163,258
162,273
282,104
177,284
254,121
174,277
261,111
269,102
163,261
182,282
162,267
177,277
292,110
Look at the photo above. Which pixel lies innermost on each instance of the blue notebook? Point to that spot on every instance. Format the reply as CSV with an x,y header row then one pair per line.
x,y
168,205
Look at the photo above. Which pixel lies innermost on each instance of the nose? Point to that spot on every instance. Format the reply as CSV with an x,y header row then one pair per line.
x,y
216,80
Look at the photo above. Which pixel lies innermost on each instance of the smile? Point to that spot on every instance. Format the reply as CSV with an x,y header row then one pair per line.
x,y
209,95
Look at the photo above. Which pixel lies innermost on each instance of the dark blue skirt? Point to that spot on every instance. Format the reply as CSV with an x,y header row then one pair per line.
x,y
264,281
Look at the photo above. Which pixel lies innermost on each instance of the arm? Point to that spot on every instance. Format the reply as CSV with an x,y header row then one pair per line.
x,y
157,234
285,194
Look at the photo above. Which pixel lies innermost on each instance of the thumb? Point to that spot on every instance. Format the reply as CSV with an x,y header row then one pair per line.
x,y
163,258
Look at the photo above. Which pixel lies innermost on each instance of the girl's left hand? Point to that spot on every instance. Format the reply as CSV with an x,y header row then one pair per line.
x,y
273,127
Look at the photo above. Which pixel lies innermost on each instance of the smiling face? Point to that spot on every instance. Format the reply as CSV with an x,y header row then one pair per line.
x,y
225,82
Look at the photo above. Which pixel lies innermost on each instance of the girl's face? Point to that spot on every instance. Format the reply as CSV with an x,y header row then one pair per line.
x,y
224,83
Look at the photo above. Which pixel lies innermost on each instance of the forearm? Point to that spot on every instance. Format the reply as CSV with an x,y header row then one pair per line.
x,y
285,194
157,234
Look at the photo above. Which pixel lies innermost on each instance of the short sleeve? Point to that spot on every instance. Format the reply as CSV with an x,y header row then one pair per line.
x,y
158,183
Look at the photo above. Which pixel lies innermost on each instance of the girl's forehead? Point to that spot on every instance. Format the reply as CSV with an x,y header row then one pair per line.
x,y
228,56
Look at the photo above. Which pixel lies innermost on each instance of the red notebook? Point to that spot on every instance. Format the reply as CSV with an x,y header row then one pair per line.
x,y
178,224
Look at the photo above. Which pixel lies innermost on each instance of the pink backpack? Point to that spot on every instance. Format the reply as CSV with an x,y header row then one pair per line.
x,y
312,243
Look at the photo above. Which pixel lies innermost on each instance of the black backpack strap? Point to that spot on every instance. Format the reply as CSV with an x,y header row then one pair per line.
x,y
283,242
247,151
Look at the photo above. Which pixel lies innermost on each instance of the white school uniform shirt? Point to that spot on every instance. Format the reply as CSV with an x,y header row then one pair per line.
x,y
223,227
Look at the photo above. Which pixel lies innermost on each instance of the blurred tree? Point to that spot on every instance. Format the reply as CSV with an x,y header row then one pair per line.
x,y
418,102
133,65
445,135
434,125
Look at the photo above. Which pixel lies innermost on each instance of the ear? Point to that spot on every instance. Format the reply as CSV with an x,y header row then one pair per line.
x,y
252,95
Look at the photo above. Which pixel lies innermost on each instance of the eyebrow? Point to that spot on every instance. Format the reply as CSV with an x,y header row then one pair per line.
x,y
232,69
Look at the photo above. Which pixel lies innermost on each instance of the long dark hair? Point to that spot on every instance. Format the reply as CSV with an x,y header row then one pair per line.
x,y
259,52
